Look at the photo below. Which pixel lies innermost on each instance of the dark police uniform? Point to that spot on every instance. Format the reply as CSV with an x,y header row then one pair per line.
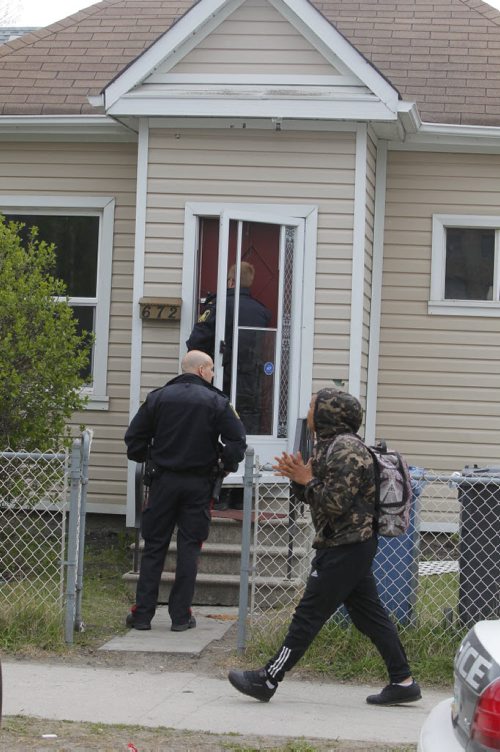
x,y
182,422
252,313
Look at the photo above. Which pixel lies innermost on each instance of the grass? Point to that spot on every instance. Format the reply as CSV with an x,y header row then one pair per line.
x,y
341,652
34,621
338,652
105,597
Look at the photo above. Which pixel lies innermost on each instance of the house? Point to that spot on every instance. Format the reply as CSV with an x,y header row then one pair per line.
x,y
349,150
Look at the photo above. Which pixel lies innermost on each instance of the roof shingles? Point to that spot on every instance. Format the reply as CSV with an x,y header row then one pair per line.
x,y
443,54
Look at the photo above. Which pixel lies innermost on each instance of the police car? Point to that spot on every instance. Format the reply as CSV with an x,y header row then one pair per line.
x,y
471,719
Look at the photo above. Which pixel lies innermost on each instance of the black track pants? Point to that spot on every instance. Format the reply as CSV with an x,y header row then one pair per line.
x,y
342,575
175,499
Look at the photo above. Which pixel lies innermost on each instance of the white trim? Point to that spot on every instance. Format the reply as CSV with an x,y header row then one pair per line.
x,y
64,128
104,207
31,202
253,123
96,403
138,291
438,304
487,308
251,79
358,262
446,137
363,107
103,284
308,312
376,301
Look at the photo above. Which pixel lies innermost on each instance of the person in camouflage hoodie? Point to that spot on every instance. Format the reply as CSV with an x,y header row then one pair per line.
x,y
338,484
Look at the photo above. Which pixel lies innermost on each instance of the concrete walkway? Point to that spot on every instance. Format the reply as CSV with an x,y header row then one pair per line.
x,y
212,622
191,702
187,701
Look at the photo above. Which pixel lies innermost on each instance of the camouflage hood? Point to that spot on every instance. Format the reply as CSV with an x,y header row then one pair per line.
x,y
336,412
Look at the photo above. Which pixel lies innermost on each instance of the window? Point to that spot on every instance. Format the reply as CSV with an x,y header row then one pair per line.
x,y
465,275
82,230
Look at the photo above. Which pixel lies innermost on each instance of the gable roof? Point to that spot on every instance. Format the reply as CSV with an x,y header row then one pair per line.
x,y
443,54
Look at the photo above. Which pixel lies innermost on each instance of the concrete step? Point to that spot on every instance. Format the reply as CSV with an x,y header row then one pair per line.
x,y
224,590
226,527
225,558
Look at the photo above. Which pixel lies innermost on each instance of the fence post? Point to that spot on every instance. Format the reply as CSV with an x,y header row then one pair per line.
x,y
85,454
245,548
71,562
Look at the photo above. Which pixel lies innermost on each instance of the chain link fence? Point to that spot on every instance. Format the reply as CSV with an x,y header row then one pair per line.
x,y
443,575
41,563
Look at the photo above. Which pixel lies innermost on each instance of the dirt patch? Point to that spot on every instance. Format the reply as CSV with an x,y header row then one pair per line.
x,y
19,734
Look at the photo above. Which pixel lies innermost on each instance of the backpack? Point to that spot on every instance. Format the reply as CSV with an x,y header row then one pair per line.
x,y
393,495
393,490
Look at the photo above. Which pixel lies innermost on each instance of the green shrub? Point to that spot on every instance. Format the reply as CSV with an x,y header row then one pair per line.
x,y
42,353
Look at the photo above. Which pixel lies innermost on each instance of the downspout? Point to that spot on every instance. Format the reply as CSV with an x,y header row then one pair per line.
x,y
138,291
375,314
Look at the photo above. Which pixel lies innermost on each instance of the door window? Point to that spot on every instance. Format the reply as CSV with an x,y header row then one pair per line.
x,y
253,356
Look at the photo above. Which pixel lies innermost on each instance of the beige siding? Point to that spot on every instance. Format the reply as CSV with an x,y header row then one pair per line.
x,y
439,375
76,169
255,39
258,167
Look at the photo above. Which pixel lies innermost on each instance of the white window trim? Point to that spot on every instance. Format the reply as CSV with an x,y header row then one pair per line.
x,y
437,304
104,206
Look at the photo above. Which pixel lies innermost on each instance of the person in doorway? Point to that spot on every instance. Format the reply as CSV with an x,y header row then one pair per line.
x,y
251,313
177,432
338,483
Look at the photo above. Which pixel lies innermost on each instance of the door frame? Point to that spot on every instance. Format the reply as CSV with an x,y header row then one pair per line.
x,y
308,213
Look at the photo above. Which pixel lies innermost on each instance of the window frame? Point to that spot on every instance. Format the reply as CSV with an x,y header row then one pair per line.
x,y
104,208
438,304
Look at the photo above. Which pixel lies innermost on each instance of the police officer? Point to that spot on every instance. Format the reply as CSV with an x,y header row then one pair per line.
x,y
177,431
251,313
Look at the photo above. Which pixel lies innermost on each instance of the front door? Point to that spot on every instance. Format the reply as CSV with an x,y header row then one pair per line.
x,y
249,268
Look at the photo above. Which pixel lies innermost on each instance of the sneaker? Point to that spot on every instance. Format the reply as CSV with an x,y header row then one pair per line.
x,y
253,683
396,694
132,622
191,624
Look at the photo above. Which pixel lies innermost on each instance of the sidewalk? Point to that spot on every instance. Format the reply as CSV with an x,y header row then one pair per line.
x,y
193,702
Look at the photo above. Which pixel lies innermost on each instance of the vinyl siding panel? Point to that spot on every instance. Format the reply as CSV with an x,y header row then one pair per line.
x,y
255,39
257,167
439,375
79,169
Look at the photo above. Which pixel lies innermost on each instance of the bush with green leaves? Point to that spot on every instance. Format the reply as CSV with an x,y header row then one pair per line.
x,y
42,354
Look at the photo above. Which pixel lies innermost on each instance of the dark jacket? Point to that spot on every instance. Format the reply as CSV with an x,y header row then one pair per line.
x,y
251,313
342,493
185,420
